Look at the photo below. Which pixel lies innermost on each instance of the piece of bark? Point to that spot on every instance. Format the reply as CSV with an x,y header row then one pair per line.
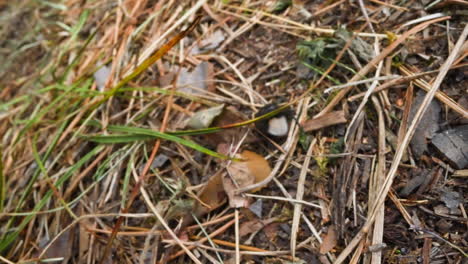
x,y
416,181
427,127
330,119
330,240
453,144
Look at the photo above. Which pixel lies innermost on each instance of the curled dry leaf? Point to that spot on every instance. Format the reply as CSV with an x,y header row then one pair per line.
x,y
204,118
194,81
235,200
212,195
258,166
330,241
254,225
253,169
240,172
60,248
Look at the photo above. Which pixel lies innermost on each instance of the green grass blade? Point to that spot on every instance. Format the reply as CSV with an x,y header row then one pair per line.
x,y
135,133
315,69
149,61
217,129
117,139
11,237
45,173
32,181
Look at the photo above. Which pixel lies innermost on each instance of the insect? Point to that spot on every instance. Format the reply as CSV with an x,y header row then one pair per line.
x,y
277,126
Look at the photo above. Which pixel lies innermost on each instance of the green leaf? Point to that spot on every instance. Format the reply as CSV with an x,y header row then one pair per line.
x,y
311,49
281,5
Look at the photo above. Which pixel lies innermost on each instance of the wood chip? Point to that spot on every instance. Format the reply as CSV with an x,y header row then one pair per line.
x,y
330,119
453,145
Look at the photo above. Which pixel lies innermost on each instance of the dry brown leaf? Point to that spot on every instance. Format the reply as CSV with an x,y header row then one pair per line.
x,y
250,227
271,231
235,200
60,248
241,173
253,169
330,240
254,226
84,238
212,195
258,166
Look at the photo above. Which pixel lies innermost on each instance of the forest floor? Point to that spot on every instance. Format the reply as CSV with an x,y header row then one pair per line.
x,y
217,131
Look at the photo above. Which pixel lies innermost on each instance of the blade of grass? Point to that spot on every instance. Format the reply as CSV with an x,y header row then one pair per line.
x,y
217,129
59,100
150,61
28,188
321,72
74,31
126,180
135,133
86,44
117,139
11,237
43,169
134,130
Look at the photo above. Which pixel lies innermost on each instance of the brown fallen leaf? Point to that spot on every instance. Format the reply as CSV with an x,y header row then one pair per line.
x,y
258,166
330,240
212,195
235,200
330,119
271,231
60,247
253,169
254,226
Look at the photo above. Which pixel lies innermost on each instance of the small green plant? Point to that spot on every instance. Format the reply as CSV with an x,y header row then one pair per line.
x,y
281,5
317,54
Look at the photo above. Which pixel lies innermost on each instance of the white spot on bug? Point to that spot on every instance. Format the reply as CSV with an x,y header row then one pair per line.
x,y
278,126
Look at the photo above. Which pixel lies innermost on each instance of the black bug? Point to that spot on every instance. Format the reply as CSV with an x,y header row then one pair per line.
x,y
277,126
